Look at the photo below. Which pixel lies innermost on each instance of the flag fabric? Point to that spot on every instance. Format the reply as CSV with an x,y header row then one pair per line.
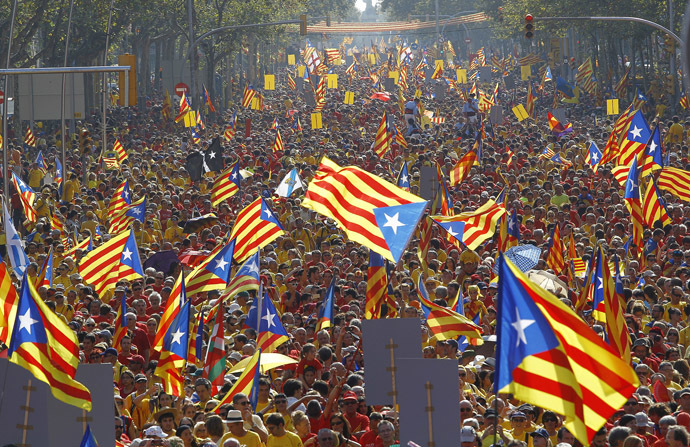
x,y
462,168
248,95
245,382
370,210
291,83
472,227
121,198
89,440
547,355
120,324
593,156
383,137
214,275
403,179
444,323
557,128
8,303
121,153
530,101
633,202
278,143
231,127
634,140
255,226
44,345
185,108
86,246
15,252
554,258
651,159
41,162
377,281
653,207
290,183
246,277
616,329
639,99
270,330
45,276
512,230
214,363
126,216
26,198
172,309
226,185
29,138
684,102
676,181
622,85
325,316
175,345
167,105
116,259
207,99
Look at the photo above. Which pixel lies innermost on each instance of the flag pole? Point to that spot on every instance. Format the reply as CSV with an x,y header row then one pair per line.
x,y
429,411
391,347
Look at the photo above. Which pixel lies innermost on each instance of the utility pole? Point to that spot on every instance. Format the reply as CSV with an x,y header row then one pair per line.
x,y
438,31
672,62
192,46
6,105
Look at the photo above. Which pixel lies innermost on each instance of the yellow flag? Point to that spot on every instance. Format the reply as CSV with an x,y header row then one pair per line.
x,y
520,112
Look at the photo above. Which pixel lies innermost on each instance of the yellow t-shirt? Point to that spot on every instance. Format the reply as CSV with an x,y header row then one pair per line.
x,y
250,439
35,177
289,439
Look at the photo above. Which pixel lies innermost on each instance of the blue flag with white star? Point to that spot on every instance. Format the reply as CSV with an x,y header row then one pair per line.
x,y
397,224
221,263
130,255
521,329
177,339
29,327
594,154
138,212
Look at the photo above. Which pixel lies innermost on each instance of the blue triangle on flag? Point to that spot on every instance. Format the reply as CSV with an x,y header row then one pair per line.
x,y
397,224
455,229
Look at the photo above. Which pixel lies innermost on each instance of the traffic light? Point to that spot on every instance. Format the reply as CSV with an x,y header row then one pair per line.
x,y
303,24
529,26
328,20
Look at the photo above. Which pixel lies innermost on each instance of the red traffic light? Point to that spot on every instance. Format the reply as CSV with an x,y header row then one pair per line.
x,y
528,18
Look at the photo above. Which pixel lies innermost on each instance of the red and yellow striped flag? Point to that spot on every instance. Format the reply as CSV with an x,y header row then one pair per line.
x,y
255,226
676,181
377,282
383,137
462,168
472,227
121,153
8,304
29,138
617,330
653,208
554,259
278,143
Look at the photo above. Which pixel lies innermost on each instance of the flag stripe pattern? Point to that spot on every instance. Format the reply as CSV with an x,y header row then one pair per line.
x,y
376,286
256,225
462,168
676,181
226,185
478,225
653,207
101,265
349,195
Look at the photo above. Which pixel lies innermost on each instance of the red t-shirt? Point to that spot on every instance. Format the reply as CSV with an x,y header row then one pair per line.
x,y
304,363
358,422
370,439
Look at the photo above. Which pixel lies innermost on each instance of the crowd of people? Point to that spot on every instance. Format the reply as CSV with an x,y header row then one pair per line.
x,y
321,400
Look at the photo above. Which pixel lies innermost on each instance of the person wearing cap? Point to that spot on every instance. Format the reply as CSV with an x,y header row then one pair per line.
x,y
235,425
358,421
138,402
493,423
640,349
644,425
519,426
166,418
110,356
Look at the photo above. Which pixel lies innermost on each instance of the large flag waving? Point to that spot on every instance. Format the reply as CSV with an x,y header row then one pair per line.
x,y
290,183
45,346
271,331
633,202
117,259
472,227
245,383
226,185
370,210
15,251
676,181
546,355
215,274
174,353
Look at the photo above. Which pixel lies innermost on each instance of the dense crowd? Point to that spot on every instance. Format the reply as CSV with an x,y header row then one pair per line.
x,y
321,399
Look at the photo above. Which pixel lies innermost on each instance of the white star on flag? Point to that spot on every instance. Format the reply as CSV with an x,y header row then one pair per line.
x,y
177,336
393,222
636,132
520,325
25,321
127,254
269,319
211,154
652,147
221,263
595,157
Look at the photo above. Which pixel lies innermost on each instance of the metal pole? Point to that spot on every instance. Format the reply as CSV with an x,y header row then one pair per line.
x,y
192,45
438,34
105,78
64,85
672,64
5,143
60,70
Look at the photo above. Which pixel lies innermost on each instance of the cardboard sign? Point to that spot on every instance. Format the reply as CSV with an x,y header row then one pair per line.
x,y
509,82
256,104
520,112
389,84
430,403
559,114
461,74
291,59
418,93
372,59
300,71
496,115
525,72
332,81
190,119
485,74
316,122
349,98
440,91
437,63
400,336
612,106
269,82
